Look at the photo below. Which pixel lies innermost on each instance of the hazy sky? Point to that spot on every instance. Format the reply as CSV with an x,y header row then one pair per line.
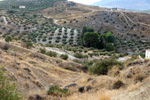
x,y
85,1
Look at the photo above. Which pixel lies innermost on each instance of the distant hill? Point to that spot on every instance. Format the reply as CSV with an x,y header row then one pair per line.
x,y
29,4
127,4
146,11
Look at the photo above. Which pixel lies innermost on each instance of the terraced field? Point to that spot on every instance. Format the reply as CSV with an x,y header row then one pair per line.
x,y
39,29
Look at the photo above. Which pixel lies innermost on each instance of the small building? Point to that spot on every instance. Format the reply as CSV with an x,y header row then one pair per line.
x,y
147,54
117,9
22,7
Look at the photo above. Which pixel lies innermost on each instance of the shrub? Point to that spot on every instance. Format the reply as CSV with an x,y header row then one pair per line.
x,y
51,54
110,47
64,56
8,38
85,51
43,51
54,90
28,43
78,55
134,56
101,67
7,91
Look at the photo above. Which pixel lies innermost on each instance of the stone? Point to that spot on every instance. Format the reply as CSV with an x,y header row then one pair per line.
x,y
20,58
129,73
71,85
81,89
88,88
38,97
14,54
27,69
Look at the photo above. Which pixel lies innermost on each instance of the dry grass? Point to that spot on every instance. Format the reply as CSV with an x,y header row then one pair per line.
x,y
139,77
114,71
133,86
99,95
45,73
104,97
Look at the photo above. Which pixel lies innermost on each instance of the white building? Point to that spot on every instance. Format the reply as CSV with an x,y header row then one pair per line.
x,y
22,7
147,54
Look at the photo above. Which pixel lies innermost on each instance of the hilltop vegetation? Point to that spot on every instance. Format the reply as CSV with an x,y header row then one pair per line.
x,y
29,4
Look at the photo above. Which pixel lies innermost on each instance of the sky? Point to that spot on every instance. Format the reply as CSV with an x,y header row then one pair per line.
x,y
88,2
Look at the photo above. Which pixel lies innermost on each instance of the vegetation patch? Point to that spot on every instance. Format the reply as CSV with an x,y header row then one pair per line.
x,y
64,56
103,66
55,90
8,90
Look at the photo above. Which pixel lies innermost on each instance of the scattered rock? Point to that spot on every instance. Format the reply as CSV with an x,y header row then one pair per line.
x,y
71,85
36,97
13,54
88,88
27,69
20,58
135,63
39,84
32,62
36,55
81,89
6,47
147,72
129,73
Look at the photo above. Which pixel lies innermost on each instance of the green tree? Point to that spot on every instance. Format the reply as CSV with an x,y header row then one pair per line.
x,y
8,38
14,6
91,39
109,37
87,29
110,47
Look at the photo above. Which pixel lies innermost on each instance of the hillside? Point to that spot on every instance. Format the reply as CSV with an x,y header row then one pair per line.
x,y
127,26
29,4
62,23
34,72
44,53
126,4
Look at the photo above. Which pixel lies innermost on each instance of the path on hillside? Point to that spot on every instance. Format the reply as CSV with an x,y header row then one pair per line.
x,y
55,21
60,52
5,21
